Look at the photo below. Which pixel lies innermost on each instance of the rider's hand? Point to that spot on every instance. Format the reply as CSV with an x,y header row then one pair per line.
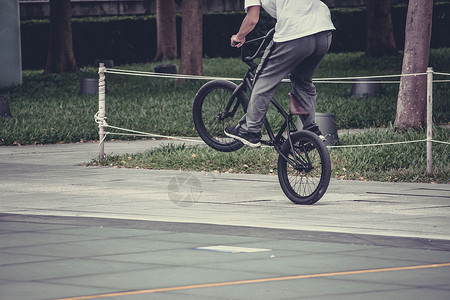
x,y
236,41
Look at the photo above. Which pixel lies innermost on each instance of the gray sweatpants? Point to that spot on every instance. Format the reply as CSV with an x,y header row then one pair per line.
x,y
299,59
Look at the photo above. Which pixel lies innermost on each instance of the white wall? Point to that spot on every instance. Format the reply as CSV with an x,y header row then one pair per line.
x,y
10,54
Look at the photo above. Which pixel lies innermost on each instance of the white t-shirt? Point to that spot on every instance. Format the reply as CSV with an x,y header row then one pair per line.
x,y
295,18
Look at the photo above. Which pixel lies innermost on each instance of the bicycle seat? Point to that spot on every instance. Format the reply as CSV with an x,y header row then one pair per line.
x,y
295,108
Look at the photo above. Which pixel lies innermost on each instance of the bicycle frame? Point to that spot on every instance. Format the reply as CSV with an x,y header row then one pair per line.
x,y
277,140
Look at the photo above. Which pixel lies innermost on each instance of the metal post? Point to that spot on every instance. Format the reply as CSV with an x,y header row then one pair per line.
x,y
429,120
101,110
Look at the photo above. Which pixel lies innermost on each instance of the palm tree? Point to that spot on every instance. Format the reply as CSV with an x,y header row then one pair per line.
x,y
166,46
60,57
411,103
191,38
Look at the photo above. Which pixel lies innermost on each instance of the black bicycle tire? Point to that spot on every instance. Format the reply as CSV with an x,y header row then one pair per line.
x,y
302,183
223,144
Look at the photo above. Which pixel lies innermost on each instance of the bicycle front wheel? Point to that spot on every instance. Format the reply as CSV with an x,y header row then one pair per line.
x,y
305,170
214,109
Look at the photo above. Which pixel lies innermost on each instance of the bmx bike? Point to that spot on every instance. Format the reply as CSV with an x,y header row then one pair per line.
x,y
304,167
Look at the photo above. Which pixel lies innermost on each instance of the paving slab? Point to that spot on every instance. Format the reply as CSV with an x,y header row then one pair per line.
x,y
49,180
163,260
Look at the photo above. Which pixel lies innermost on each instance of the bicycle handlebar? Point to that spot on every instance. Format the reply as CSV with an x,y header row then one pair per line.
x,y
249,59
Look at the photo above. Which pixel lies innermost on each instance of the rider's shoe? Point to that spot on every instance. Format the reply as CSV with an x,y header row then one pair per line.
x,y
249,139
315,129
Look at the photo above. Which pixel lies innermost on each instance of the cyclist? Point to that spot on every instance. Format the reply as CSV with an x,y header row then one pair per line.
x,y
302,38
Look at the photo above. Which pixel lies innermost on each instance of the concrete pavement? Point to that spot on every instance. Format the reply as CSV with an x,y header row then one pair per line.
x,y
48,180
52,209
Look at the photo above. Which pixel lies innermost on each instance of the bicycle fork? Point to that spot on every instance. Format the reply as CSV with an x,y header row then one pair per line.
x,y
297,162
226,112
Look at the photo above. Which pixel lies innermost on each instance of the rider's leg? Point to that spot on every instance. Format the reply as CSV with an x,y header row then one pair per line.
x,y
275,67
304,89
301,78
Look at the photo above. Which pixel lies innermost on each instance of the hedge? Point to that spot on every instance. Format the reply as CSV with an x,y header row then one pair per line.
x,y
133,39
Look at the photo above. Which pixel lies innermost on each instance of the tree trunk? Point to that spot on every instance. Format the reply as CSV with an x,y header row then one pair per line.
x,y
411,103
192,38
166,46
60,57
380,32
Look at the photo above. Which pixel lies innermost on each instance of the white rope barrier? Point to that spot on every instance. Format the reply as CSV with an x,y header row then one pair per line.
x,y
441,142
378,144
100,117
140,133
440,81
164,75
356,79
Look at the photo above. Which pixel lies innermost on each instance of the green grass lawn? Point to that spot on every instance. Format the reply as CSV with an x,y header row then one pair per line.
x,y
403,162
51,109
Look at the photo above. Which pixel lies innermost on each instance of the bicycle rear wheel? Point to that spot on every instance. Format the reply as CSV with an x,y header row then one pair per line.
x,y
305,175
214,109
